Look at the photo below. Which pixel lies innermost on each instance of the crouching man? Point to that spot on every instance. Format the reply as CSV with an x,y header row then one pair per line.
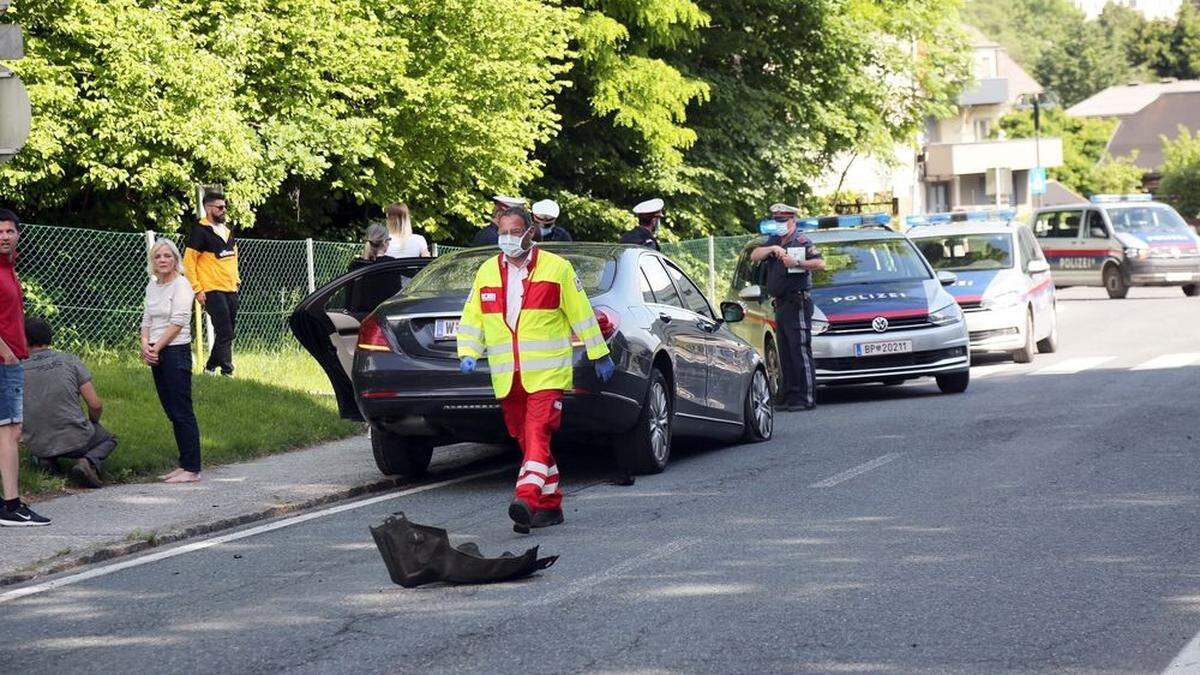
x,y
55,426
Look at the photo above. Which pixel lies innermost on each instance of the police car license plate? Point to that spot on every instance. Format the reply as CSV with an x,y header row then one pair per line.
x,y
883,348
1179,276
445,329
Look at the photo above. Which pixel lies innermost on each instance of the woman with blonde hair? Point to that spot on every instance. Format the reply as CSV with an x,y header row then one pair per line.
x,y
404,243
166,348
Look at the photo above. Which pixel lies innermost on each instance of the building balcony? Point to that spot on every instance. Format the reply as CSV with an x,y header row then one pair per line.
x,y
989,91
943,161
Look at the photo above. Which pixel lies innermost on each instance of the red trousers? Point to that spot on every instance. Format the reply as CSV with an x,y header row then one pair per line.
x,y
531,419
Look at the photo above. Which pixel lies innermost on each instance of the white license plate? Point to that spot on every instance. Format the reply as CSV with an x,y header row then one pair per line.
x,y
1179,276
883,348
445,329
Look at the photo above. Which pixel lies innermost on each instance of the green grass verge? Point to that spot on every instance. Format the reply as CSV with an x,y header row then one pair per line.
x,y
278,401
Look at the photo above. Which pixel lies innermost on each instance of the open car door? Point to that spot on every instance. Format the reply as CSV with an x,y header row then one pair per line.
x,y
326,322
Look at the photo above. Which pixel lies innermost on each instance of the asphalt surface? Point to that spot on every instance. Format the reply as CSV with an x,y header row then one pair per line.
x,y
1045,520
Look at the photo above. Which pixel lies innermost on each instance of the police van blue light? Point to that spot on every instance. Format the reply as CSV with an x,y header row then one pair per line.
x,y
983,215
1112,199
856,220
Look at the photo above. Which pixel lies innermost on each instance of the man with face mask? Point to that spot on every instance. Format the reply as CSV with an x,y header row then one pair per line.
x,y
650,215
488,235
545,216
789,258
524,306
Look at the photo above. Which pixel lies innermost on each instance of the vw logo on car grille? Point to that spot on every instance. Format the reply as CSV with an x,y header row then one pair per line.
x,y
880,324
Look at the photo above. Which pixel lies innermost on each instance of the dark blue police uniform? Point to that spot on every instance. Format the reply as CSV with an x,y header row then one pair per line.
x,y
793,322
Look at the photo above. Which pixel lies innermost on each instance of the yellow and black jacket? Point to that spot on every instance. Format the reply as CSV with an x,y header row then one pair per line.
x,y
210,262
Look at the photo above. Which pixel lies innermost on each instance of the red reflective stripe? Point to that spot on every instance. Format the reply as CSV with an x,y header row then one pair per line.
x,y
1037,289
968,298
1075,251
542,295
892,314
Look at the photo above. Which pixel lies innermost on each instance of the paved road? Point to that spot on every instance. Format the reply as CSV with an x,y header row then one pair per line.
x,y
1045,520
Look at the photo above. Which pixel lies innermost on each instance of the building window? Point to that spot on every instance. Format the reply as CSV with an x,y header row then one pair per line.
x,y
982,128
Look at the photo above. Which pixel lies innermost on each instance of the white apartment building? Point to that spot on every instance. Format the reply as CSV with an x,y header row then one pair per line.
x,y
1151,9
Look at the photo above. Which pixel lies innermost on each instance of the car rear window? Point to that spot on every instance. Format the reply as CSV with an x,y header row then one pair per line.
x,y
966,253
869,261
454,273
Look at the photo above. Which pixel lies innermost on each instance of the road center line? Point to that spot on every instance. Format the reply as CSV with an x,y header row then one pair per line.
x,y
1188,660
1169,361
1075,365
856,471
232,536
557,597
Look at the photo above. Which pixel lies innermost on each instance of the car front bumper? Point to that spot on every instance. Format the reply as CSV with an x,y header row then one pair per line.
x,y
1164,271
997,329
937,350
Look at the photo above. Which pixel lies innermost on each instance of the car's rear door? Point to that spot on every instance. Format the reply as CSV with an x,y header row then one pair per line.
x,y
326,322
687,343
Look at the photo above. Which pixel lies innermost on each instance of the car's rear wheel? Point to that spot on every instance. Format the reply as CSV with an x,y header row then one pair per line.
x,y
1049,344
1026,352
759,413
397,455
774,369
954,383
1114,282
647,447
1191,290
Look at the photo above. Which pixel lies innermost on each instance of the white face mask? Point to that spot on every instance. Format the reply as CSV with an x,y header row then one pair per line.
x,y
547,230
513,245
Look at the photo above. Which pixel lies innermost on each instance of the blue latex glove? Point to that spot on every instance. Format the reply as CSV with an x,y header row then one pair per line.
x,y
467,365
605,368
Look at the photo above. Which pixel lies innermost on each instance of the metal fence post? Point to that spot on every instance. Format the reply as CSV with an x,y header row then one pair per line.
x,y
433,250
312,273
712,268
149,241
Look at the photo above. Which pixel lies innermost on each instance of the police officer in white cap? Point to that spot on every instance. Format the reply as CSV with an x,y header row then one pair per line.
x,y
789,258
490,235
545,216
650,215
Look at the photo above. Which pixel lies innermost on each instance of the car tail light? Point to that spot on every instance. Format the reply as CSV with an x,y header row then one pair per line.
x,y
609,321
371,337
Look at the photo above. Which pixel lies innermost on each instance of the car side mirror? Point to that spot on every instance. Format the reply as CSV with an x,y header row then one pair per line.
x,y
732,312
1038,266
947,278
1099,233
752,292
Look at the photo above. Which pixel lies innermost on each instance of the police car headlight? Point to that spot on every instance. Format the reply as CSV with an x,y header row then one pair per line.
x,y
1007,299
1137,253
819,326
946,315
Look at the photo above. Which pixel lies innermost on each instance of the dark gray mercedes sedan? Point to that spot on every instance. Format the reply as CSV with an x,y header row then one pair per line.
x,y
385,335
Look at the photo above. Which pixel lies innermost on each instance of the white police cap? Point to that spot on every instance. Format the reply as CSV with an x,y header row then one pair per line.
x,y
783,209
509,201
648,207
547,208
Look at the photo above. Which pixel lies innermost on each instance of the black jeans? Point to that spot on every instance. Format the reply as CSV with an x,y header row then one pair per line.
x,y
173,380
793,318
99,446
222,308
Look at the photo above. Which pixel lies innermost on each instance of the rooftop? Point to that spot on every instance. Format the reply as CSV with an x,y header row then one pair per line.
x,y
1124,100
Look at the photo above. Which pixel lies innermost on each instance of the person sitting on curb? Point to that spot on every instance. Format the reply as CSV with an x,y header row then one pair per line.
x,y
55,426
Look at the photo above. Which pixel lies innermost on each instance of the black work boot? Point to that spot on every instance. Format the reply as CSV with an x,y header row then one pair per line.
x,y
547,517
86,474
522,516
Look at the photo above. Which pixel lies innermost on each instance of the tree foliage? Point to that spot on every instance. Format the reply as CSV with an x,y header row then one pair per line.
x,y
1180,183
1087,167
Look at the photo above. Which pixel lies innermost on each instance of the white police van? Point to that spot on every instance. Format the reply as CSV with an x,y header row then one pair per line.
x,y
1119,241
882,314
1004,283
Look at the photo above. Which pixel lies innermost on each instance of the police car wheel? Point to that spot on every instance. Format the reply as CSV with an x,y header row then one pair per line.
x,y
759,413
954,383
1114,283
647,447
1025,353
1049,344
1191,290
397,455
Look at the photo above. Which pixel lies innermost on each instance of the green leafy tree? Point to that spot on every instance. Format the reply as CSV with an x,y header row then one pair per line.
x,y
1180,183
1087,168
1026,28
1082,63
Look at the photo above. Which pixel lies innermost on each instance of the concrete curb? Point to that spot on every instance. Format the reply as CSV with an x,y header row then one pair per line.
x,y
117,549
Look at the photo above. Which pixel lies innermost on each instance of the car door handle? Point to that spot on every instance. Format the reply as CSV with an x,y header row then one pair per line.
x,y
706,326
664,317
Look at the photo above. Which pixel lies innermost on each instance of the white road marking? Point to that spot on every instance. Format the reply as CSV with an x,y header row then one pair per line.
x,y
1075,365
226,538
577,587
856,471
1169,361
985,371
1188,660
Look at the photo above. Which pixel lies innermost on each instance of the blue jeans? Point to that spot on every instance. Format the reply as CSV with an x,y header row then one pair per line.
x,y
12,393
173,380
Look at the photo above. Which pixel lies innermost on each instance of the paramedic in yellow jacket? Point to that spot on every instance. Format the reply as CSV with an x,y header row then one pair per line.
x,y
210,263
524,306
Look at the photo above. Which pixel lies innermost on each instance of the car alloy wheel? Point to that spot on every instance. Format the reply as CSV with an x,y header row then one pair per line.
x,y
660,423
774,370
760,413
646,448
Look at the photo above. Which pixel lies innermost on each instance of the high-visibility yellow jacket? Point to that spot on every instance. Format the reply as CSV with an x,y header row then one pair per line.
x,y
553,306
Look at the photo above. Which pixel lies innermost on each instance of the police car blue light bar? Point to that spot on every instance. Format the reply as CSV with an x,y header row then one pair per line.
x,y
961,217
831,222
1108,199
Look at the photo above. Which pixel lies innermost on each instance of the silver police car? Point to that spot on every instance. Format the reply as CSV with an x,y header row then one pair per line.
x,y
882,314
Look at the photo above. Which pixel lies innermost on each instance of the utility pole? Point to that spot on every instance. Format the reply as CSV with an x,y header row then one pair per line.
x,y
1037,148
15,111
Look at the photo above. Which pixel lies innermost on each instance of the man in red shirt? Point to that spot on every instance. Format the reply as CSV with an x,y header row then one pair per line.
x,y
13,512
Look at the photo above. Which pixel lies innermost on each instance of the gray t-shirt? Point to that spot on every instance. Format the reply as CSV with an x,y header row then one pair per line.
x,y
54,420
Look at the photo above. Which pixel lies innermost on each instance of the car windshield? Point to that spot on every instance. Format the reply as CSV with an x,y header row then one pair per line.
x,y
968,252
453,274
869,262
1154,219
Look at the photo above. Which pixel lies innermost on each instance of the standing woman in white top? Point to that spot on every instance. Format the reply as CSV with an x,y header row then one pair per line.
x,y
404,243
166,348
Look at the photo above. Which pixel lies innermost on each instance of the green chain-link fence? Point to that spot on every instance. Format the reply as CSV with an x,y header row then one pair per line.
x,y
91,283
